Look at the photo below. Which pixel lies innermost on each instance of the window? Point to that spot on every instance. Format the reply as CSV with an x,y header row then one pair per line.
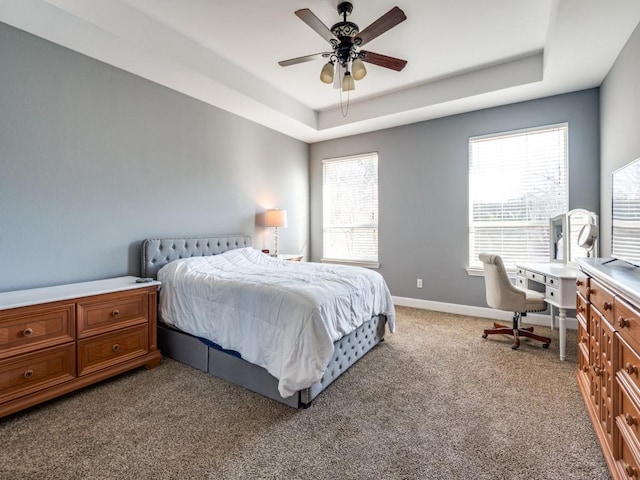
x,y
517,182
350,209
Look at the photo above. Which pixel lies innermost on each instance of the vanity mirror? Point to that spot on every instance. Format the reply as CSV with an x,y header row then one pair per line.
x,y
573,235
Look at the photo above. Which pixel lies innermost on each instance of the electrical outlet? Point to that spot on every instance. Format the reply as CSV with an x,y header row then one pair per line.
x,y
419,283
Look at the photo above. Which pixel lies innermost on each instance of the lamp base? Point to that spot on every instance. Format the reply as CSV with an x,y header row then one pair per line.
x,y
275,243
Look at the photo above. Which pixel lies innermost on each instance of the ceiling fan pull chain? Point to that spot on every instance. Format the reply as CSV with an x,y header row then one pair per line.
x,y
342,110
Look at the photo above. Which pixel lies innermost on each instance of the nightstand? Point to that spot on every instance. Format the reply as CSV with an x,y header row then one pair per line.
x,y
290,256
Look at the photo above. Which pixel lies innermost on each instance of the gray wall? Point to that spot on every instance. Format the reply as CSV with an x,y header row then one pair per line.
x,y
620,126
423,184
94,159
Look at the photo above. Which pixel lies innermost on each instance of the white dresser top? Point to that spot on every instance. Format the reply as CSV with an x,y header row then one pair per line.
x,y
555,269
616,273
23,298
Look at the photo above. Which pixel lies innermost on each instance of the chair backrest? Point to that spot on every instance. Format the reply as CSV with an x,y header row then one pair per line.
x,y
501,293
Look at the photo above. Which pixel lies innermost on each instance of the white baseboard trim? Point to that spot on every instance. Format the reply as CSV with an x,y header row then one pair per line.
x,y
483,312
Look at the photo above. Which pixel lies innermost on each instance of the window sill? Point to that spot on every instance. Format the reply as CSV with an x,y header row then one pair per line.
x,y
354,263
475,272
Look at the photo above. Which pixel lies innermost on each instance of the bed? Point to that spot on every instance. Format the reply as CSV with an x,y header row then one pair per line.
x,y
214,289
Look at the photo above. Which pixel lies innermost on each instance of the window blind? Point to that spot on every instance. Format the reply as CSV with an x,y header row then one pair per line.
x,y
517,182
350,208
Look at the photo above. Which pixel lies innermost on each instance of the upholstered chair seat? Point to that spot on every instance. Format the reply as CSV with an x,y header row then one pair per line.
x,y
503,295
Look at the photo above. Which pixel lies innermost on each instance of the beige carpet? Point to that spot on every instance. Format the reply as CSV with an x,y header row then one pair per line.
x,y
434,401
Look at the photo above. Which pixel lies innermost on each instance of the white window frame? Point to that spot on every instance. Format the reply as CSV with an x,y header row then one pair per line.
x,y
370,261
534,248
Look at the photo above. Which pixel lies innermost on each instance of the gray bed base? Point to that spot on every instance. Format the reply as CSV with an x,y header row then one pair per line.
x,y
192,351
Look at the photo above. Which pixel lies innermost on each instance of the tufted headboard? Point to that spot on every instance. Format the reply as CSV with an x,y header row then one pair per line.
x,y
157,252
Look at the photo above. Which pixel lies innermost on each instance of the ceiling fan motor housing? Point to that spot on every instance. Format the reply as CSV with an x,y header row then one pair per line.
x,y
345,8
345,32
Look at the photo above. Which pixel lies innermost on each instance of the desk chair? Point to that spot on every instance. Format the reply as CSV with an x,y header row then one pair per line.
x,y
503,295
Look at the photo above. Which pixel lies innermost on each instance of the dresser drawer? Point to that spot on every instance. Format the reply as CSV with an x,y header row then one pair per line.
x,y
628,417
521,281
553,281
31,372
111,312
537,277
583,340
553,294
102,351
627,465
27,329
582,309
628,364
582,284
627,322
602,299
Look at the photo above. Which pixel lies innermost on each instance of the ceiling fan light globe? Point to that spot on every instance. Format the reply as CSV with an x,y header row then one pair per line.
x,y
326,74
348,84
359,71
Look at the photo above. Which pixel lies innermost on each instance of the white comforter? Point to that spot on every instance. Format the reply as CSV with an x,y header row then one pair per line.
x,y
281,315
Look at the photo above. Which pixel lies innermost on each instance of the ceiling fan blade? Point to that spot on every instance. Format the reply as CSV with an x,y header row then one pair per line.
x,y
308,17
387,21
306,58
383,60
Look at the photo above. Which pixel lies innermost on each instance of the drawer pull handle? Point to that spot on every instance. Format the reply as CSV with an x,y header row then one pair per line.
x,y
28,374
27,332
115,313
585,368
591,290
596,370
607,306
630,471
115,348
623,322
585,339
579,283
631,369
631,421
581,309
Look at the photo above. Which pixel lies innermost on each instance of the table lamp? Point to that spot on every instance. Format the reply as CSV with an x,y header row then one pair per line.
x,y
276,218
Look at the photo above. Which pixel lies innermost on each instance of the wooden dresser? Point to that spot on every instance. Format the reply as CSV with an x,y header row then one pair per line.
x,y
55,340
608,313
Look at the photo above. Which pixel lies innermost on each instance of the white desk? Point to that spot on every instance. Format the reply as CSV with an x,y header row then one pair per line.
x,y
558,282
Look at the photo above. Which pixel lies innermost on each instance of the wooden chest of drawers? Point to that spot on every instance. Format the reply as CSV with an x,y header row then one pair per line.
x,y
58,339
609,361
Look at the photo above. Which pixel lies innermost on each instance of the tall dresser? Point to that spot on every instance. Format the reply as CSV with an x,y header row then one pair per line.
x,y
608,313
55,340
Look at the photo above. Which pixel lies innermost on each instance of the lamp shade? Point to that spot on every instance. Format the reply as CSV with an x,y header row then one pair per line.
x,y
276,218
359,70
347,82
326,75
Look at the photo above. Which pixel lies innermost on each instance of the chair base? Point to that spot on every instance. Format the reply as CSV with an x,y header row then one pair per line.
x,y
517,332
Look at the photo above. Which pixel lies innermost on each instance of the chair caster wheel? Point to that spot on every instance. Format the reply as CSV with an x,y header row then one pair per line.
x,y
545,345
484,335
514,347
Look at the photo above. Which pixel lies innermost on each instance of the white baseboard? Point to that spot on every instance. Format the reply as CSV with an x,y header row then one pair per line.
x,y
483,312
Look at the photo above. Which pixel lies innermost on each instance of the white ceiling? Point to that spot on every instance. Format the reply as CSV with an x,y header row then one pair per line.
x,y
462,54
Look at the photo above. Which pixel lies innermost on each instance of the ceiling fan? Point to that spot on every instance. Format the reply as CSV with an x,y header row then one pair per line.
x,y
346,39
